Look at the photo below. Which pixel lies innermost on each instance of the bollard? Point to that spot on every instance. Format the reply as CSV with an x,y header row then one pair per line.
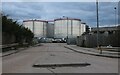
x,y
100,49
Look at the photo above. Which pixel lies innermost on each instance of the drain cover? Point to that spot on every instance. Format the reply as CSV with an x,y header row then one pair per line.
x,y
62,65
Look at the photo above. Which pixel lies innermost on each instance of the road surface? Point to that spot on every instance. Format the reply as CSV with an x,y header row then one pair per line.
x,y
23,61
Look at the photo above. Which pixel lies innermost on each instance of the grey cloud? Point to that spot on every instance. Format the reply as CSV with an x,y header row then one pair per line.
x,y
86,11
24,11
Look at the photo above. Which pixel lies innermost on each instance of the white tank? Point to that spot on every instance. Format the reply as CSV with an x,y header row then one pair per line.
x,y
82,28
38,27
66,27
28,24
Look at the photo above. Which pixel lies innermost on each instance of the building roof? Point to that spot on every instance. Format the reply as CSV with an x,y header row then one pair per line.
x,y
35,20
67,19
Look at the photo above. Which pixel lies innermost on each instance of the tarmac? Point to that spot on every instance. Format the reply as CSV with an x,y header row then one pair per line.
x,y
11,52
3,54
93,51
55,58
90,51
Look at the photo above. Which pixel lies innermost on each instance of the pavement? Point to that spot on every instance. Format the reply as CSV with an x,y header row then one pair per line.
x,y
16,51
55,53
12,52
93,51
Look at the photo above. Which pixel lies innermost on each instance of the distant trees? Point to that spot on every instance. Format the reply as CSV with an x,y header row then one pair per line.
x,y
87,29
21,33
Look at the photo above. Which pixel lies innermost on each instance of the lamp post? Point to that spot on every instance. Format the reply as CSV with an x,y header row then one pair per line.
x,y
115,16
67,25
67,28
97,23
71,28
33,26
43,30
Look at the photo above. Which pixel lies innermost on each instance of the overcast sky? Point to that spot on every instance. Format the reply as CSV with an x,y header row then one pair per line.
x,y
86,11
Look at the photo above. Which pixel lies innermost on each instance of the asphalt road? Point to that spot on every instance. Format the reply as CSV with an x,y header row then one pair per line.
x,y
23,61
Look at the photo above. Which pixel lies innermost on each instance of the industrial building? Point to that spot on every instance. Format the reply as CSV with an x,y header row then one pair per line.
x,y
60,28
82,28
66,27
50,30
38,27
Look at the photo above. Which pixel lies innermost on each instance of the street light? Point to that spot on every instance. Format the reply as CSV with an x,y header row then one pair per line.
x,y
67,30
33,26
67,25
97,23
115,16
43,30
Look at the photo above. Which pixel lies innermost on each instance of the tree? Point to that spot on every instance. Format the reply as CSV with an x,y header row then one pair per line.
x,y
87,29
12,27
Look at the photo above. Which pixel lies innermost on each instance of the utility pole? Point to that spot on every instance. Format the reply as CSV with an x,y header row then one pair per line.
x,y
33,26
97,23
67,28
79,28
71,27
115,16
43,30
